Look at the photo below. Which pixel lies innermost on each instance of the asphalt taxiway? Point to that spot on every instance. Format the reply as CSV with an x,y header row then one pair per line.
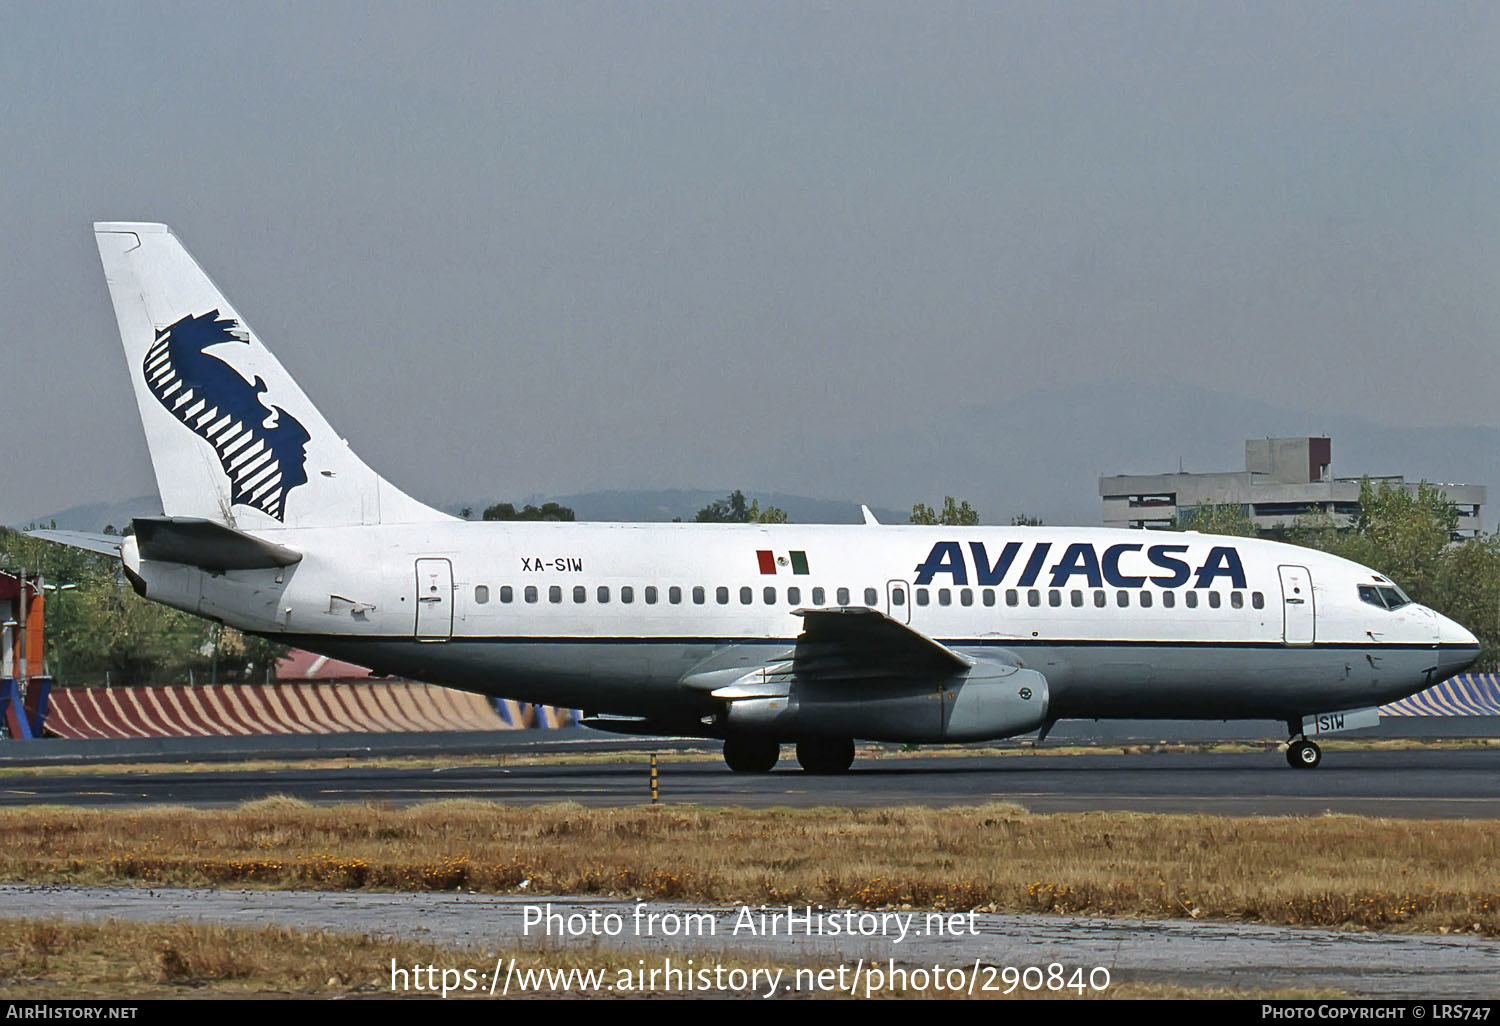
x,y
1427,784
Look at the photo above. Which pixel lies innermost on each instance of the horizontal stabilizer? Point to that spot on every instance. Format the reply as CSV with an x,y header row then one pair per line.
x,y
104,544
207,545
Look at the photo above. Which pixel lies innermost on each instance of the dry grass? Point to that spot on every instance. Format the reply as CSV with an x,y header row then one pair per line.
x,y
1337,871
42,960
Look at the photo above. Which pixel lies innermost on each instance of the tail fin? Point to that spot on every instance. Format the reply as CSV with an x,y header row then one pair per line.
x,y
232,437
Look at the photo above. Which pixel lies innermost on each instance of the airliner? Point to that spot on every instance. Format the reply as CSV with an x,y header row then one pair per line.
x,y
756,635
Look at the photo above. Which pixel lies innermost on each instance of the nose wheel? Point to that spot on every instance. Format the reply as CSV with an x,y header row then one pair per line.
x,y
1303,754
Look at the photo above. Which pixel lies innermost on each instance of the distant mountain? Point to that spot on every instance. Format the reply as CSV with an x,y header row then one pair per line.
x,y
1038,453
96,516
618,506
650,507
1042,454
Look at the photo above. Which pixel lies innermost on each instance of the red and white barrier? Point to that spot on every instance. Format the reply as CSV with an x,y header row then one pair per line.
x,y
240,709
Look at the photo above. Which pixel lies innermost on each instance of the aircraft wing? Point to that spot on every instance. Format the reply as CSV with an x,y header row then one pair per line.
x,y
856,641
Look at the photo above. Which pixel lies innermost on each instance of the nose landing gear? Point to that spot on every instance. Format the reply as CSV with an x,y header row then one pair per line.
x,y
1302,753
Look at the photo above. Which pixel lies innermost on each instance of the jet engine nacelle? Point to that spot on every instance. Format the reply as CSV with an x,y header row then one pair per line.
x,y
992,700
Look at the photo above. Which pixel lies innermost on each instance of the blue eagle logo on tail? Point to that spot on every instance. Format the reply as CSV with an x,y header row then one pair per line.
x,y
262,448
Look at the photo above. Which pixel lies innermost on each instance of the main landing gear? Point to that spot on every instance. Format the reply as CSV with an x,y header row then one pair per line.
x,y
821,755
751,754
1302,753
826,755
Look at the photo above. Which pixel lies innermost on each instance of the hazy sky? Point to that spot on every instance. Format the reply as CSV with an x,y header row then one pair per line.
x,y
512,248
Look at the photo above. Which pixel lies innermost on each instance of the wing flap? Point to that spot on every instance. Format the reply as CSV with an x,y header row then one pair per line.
x,y
856,642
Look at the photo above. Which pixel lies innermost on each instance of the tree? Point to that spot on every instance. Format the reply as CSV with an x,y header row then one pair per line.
x,y
1022,520
732,509
769,515
1231,519
550,511
953,514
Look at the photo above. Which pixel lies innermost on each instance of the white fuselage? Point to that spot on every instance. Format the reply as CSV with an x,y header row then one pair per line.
x,y
627,618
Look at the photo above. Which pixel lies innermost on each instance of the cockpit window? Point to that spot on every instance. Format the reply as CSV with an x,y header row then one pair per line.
x,y
1386,596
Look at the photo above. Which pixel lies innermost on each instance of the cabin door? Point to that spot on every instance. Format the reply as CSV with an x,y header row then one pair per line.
x,y
434,599
1299,617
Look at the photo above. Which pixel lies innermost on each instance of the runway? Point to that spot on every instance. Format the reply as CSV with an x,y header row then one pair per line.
x,y
1426,784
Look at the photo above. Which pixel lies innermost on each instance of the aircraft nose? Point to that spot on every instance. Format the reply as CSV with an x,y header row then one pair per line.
x,y
1457,647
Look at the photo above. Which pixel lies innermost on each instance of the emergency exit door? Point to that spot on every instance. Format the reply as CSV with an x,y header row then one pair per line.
x,y
434,599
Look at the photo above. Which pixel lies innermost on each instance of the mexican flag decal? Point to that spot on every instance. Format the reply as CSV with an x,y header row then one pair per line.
x,y
769,561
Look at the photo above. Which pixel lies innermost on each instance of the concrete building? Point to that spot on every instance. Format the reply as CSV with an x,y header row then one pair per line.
x,y
1283,479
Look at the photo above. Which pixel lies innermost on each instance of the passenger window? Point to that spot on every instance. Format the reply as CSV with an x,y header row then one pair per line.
x,y
794,596
721,595
482,593
1033,598
1257,600
1191,598
1054,598
1076,597
531,593
506,594
770,596
1122,599
922,596
746,596
1214,600
1100,600
698,595
1012,597
872,597
843,596
603,593
580,593
818,596
674,595
989,596
554,593
966,597
627,593
650,595
945,597
1237,599
1169,599
1145,600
